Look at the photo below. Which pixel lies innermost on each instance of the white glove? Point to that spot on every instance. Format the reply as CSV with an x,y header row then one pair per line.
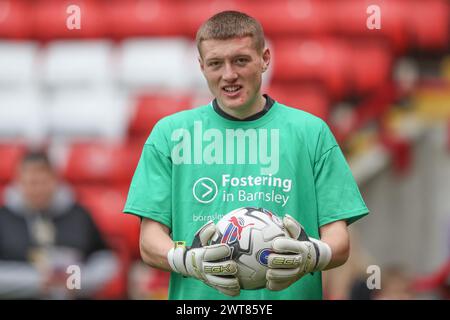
x,y
206,262
294,257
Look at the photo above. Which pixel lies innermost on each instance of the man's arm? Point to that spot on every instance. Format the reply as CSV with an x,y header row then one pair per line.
x,y
19,280
201,261
336,235
155,243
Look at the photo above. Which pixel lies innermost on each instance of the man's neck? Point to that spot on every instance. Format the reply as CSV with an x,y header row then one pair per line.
x,y
243,113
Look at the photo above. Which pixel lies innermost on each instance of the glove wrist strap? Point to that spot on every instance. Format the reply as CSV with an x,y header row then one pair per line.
x,y
176,257
323,254
170,260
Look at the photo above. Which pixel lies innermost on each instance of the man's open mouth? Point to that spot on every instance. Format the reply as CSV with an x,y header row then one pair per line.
x,y
231,88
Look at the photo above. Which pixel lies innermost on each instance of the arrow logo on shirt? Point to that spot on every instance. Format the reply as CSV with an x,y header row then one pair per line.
x,y
205,190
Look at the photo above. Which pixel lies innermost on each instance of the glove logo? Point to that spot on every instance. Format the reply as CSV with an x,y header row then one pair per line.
x,y
233,232
263,256
219,269
281,261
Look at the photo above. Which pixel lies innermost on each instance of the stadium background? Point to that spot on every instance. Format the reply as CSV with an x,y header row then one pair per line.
x,y
91,96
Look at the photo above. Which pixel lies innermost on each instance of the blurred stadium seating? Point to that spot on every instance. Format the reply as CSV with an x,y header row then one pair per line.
x,y
18,68
152,107
101,164
155,64
99,90
120,231
10,153
77,64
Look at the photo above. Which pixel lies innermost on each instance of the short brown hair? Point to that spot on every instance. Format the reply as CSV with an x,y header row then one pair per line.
x,y
37,156
231,24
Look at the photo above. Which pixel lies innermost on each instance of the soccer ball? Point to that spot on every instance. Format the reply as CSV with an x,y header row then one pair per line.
x,y
249,232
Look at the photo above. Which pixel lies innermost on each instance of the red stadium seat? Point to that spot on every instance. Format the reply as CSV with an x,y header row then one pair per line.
x,y
417,23
312,99
287,17
15,19
317,60
98,163
51,19
370,66
151,108
119,230
2,191
394,24
291,18
106,205
195,12
428,24
10,156
350,19
350,16
143,18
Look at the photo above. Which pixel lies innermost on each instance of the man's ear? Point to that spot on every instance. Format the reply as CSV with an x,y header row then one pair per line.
x,y
266,56
202,65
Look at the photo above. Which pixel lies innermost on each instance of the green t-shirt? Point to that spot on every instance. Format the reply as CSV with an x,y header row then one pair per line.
x,y
197,166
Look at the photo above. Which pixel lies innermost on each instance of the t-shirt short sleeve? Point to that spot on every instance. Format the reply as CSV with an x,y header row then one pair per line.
x,y
150,190
338,196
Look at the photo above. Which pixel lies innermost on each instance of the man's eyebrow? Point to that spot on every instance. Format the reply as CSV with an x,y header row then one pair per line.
x,y
243,55
239,55
213,59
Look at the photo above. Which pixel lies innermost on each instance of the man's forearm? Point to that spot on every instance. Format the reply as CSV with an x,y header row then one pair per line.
x,y
336,236
155,243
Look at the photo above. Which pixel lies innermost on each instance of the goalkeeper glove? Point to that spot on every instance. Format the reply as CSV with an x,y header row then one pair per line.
x,y
206,262
294,257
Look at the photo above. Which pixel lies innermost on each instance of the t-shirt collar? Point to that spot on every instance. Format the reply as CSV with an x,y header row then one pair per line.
x,y
267,106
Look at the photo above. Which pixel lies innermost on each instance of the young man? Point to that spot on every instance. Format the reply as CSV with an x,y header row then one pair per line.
x,y
43,230
243,149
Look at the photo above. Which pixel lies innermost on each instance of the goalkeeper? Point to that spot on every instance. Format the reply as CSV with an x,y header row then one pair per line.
x,y
175,186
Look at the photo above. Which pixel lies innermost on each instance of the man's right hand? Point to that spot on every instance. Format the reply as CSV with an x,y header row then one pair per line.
x,y
206,262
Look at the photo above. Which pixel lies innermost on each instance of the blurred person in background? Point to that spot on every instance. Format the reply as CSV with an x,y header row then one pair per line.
x,y
43,230
396,284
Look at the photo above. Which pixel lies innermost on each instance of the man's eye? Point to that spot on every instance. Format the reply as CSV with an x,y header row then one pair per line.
x,y
214,64
241,61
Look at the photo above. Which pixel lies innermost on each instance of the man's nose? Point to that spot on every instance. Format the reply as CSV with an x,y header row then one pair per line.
x,y
229,74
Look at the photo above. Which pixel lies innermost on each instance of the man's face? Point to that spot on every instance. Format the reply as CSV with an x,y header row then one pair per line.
x,y
233,69
38,184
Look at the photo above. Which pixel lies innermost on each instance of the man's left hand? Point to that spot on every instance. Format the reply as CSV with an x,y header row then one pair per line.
x,y
294,257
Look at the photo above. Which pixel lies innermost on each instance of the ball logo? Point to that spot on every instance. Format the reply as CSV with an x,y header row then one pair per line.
x,y
272,217
263,256
233,232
